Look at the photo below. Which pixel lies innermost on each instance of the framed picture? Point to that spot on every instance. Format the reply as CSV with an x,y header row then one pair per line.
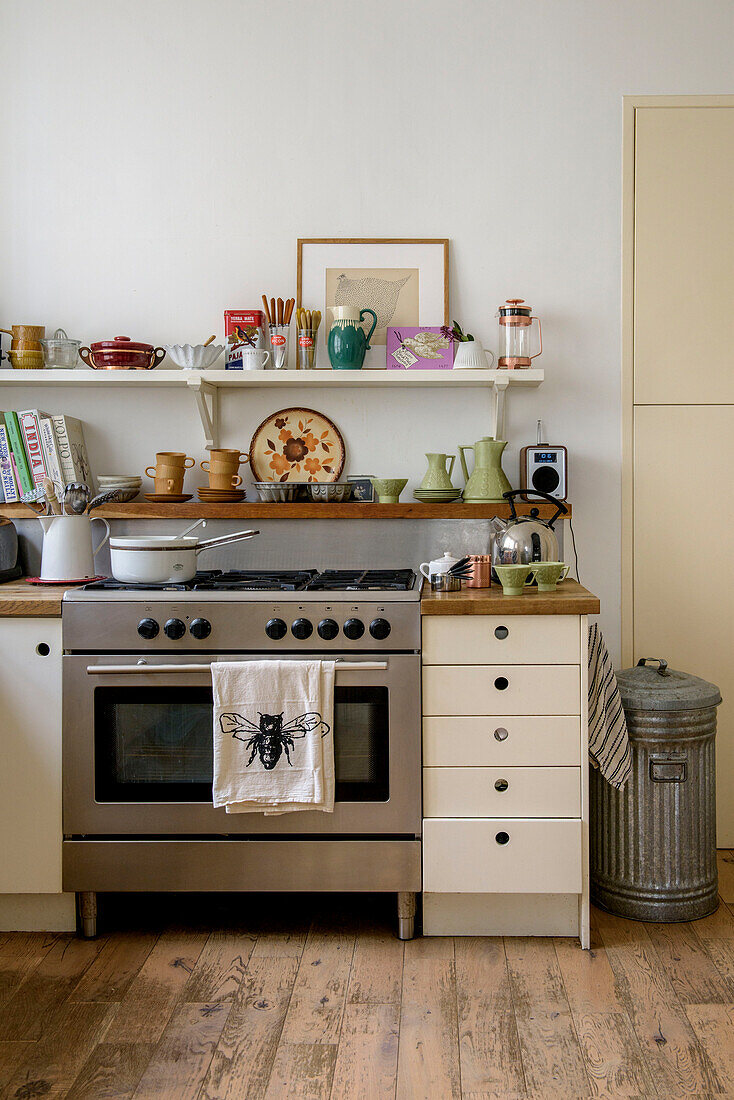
x,y
405,281
427,348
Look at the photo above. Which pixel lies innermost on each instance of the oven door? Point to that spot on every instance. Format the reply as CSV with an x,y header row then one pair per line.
x,y
137,742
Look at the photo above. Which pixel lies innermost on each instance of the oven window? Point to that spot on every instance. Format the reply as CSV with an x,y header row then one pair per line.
x,y
155,744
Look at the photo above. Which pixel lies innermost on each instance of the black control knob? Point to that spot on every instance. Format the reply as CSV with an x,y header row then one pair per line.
x,y
200,628
353,629
328,629
174,629
148,628
302,629
380,628
276,629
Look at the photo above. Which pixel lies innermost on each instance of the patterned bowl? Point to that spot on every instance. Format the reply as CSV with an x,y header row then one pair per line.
x,y
194,356
276,492
334,492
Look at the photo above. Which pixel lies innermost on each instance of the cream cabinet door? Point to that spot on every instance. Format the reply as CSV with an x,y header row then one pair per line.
x,y
30,776
684,255
683,560
501,689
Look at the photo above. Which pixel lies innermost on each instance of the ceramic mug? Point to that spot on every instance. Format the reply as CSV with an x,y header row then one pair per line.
x,y
225,458
26,337
168,479
174,458
513,578
168,486
251,358
225,479
549,573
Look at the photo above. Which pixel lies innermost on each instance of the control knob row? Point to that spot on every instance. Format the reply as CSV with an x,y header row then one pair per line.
x,y
174,629
327,629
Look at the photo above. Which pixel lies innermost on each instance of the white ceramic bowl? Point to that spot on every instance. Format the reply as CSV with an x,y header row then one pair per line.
x,y
194,356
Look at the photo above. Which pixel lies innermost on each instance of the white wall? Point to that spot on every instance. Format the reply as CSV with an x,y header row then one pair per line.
x,y
160,158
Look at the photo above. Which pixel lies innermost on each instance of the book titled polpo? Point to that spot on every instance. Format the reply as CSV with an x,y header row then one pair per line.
x,y
410,348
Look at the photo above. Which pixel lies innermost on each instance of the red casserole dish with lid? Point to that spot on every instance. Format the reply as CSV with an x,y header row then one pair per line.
x,y
121,353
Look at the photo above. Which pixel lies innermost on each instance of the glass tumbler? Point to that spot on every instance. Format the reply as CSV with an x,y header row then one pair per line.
x,y
279,346
306,349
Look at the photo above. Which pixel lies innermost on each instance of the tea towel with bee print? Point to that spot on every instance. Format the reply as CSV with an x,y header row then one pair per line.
x,y
273,739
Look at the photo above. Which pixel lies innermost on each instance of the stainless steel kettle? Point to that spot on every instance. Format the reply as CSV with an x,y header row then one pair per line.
x,y
525,539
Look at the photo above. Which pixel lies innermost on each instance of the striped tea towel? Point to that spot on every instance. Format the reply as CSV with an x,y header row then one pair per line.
x,y
609,746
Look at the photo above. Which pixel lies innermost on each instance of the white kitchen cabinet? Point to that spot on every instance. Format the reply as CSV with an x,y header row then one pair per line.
x,y
505,776
30,736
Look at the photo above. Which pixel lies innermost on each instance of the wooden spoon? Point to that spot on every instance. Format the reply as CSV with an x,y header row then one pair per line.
x,y
280,311
267,310
209,341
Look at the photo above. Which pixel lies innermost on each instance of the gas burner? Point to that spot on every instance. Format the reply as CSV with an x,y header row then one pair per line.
x,y
255,580
363,580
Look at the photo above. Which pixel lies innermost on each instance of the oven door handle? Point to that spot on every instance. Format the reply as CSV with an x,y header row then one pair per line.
x,y
136,670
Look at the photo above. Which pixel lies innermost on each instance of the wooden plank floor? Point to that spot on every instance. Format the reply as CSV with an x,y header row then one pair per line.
x,y
313,997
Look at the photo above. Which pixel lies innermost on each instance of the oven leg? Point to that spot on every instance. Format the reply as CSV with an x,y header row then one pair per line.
x,y
87,902
406,915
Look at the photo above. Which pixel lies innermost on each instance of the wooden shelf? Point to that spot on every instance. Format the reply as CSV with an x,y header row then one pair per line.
x,y
252,511
223,379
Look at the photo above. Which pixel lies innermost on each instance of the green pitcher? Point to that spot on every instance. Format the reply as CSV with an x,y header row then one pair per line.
x,y
347,342
488,482
437,477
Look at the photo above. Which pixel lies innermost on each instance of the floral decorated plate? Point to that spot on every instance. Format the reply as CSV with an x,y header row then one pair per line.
x,y
297,445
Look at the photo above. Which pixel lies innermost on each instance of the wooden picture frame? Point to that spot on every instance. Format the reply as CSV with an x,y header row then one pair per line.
x,y
422,293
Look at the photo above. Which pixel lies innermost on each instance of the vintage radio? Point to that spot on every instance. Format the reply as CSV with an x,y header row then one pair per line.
x,y
544,468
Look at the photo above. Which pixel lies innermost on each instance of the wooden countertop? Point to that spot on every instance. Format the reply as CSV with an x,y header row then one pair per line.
x,y
18,598
569,598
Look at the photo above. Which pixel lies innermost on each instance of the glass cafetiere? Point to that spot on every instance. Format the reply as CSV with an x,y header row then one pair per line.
x,y
516,350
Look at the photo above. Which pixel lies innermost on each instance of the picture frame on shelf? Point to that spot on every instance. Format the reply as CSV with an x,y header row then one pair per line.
x,y
423,347
404,280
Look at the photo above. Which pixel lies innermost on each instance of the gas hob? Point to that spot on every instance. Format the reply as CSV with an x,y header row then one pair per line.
x,y
249,611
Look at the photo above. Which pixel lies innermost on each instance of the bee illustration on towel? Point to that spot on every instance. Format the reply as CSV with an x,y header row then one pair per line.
x,y
269,738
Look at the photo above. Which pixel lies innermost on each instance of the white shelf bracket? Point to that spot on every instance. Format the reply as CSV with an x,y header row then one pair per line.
x,y
207,402
499,389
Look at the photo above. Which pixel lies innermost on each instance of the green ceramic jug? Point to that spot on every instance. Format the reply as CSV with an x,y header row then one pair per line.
x,y
347,342
437,477
488,482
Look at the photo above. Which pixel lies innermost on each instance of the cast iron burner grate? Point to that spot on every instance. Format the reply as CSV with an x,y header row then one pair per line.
x,y
363,580
109,584
255,580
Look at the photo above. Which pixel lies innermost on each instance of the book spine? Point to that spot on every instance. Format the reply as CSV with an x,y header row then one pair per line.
x,y
34,449
64,448
22,470
74,435
7,477
48,442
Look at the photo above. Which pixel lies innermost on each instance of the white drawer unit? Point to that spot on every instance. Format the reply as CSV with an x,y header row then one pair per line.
x,y
511,792
505,774
502,855
490,640
501,689
505,740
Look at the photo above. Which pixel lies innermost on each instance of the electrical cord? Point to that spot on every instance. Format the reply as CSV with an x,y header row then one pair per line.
x,y
575,552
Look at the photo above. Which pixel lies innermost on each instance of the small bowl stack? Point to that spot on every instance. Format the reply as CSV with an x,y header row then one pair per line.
x,y
126,484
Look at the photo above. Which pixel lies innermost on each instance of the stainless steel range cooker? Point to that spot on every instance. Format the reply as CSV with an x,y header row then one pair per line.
x,y
137,736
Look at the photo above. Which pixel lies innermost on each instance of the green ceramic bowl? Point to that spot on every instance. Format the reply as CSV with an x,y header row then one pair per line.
x,y
388,489
513,578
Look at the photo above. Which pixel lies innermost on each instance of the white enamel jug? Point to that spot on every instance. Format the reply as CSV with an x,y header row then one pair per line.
x,y
67,547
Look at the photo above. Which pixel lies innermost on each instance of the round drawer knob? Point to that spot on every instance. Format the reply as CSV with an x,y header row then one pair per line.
x,y
501,785
502,838
501,734
501,632
501,683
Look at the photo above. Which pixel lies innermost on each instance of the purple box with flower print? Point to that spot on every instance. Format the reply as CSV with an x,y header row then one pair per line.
x,y
419,348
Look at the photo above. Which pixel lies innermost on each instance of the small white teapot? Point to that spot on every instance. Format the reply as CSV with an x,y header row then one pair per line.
x,y
438,565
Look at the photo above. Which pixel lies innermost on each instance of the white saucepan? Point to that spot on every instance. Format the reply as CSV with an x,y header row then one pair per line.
x,y
161,560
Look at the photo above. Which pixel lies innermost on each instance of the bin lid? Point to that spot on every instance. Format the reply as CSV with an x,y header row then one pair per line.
x,y
651,685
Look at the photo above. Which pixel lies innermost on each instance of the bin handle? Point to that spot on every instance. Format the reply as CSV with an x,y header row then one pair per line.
x,y
662,665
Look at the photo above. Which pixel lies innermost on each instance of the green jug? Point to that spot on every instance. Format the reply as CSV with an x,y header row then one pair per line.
x,y
347,343
488,482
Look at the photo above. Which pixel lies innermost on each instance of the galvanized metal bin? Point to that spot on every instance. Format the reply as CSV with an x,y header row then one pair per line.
x,y
653,844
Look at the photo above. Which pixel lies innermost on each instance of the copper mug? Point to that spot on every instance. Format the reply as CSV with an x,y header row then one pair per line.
x,y
479,571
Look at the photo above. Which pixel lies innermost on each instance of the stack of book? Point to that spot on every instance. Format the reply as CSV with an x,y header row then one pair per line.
x,y
35,445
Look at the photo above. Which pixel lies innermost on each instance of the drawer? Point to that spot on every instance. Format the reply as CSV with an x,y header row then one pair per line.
x,y
502,740
505,792
505,856
490,639
501,689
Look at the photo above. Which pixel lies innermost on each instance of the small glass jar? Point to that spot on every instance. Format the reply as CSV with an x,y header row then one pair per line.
x,y
306,349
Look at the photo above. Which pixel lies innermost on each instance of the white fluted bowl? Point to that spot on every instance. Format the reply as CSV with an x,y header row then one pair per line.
x,y
194,356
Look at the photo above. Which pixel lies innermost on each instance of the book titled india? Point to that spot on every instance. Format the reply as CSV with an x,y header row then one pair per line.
x,y
30,427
